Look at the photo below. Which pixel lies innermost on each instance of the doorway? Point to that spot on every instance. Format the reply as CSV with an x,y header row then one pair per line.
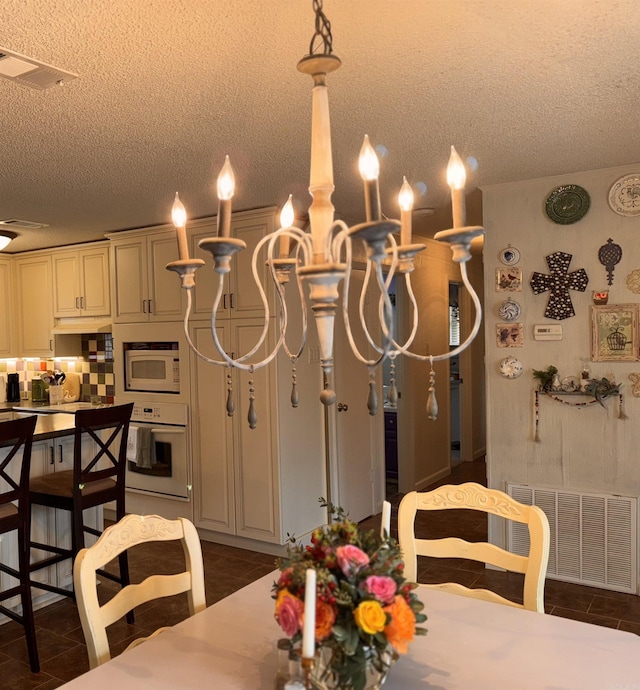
x,y
455,379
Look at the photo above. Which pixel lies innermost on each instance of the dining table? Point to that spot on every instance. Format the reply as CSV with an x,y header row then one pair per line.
x,y
470,645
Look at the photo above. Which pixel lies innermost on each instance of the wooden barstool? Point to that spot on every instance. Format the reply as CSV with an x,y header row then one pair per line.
x,y
16,438
93,481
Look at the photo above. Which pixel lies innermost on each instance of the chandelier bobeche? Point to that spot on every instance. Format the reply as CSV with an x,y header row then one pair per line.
x,y
322,257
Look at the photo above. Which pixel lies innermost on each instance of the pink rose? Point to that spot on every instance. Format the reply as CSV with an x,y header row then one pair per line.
x,y
289,610
351,559
382,587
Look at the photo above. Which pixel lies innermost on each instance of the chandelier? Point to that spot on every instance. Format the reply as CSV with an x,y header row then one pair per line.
x,y
322,258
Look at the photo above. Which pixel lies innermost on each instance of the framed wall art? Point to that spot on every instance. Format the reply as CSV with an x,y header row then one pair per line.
x,y
509,279
614,333
510,335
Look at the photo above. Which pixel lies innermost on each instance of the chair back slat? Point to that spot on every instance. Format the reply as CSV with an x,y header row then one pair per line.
x,y
111,451
17,437
476,497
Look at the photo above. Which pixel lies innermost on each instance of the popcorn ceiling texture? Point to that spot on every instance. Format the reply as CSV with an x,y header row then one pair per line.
x,y
166,89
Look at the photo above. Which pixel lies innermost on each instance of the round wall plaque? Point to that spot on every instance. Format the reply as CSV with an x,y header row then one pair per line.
x,y
509,310
567,204
624,195
509,256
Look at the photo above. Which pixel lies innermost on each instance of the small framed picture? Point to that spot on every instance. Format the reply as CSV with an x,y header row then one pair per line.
x,y
509,335
614,333
509,279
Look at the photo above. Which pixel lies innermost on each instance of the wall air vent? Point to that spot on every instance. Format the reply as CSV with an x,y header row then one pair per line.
x,y
21,224
29,72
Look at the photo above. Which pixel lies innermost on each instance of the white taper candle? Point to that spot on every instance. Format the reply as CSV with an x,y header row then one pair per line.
x,y
309,629
385,527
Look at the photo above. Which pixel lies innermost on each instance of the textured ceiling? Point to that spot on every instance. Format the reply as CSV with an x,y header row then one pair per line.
x,y
528,88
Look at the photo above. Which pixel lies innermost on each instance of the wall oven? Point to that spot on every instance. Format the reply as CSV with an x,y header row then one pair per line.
x,y
158,450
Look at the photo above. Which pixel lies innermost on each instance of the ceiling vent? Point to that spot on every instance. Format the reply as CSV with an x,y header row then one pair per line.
x,y
22,224
29,72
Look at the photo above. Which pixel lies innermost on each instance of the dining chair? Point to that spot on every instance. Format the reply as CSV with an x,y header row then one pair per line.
x,y
116,539
96,478
16,438
476,497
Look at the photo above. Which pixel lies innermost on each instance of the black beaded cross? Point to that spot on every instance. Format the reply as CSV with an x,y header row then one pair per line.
x,y
559,283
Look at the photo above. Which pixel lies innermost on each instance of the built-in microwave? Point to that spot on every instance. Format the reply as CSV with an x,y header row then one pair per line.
x,y
152,367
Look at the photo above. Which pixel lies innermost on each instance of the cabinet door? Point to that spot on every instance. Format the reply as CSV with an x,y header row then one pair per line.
x,y
130,295
6,310
94,281
212,432
256,472
241,297
244,296
34,306
165,293
66,284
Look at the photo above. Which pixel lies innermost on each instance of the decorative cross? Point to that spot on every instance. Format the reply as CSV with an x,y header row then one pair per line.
x,y
559,283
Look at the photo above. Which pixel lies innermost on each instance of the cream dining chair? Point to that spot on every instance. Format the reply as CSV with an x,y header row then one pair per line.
x,y
129,531
477,497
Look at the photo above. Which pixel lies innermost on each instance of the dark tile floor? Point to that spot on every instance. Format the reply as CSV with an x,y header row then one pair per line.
x,y
61,645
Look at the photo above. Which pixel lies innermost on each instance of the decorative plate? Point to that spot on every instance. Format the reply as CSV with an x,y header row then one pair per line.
x,y
567,204
509,256
511,367
570,384
624,195
509,310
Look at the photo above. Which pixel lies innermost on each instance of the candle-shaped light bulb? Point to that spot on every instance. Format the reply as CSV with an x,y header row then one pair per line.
x,y
456,178
309,626
226,187
369,167
226,181
405,201
179,218
368,163
286,221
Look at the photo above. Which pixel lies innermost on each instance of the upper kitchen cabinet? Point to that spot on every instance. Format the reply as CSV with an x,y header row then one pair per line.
x,y
34,305
6,309
141,287
81,281
241,297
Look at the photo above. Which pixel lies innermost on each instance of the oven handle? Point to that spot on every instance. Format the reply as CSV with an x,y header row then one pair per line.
x,y
164,430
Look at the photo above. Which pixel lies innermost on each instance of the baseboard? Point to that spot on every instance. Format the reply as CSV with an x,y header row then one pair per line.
x,y
431,479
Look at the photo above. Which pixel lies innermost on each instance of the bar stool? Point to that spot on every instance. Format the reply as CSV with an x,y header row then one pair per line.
x,y
93,481
15,515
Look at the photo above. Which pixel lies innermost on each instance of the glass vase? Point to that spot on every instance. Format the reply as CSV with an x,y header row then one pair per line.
x,y
323,677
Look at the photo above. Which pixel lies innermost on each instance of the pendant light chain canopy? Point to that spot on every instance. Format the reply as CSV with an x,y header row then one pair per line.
x,y
321,259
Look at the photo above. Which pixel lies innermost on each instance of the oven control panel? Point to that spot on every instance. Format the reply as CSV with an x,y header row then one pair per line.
x,y
160,413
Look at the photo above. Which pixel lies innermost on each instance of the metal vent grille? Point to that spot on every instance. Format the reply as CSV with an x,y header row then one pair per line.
x,y
593,536
30,72
24,224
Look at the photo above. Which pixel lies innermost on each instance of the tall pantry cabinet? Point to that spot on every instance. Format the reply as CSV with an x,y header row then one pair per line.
x,y
262,484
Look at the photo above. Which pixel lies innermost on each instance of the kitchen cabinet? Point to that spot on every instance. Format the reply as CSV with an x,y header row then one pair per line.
x,y
81,281
7,348
261,484
141,288
34,305
241,297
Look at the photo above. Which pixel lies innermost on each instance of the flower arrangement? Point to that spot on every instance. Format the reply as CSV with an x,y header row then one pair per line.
x,y
366,611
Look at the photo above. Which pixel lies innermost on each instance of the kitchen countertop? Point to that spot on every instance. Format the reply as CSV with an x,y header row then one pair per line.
x,y
51,422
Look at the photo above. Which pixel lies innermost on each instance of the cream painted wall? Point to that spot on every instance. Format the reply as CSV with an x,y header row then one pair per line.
x,y
585,448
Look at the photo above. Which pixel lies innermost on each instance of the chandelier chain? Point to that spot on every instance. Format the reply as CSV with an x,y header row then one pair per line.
x,y
322,38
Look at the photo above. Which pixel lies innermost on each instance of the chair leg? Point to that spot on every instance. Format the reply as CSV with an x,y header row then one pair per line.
x,y
27,606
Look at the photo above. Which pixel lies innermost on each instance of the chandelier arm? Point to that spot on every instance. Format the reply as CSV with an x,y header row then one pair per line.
x,y
402,349
191,344
347,324
472,335
303,338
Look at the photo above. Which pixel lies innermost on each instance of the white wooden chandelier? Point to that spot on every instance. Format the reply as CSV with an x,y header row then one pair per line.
x,y
322,258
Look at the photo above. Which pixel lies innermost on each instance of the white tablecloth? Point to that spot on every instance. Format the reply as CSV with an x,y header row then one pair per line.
x,y
471,645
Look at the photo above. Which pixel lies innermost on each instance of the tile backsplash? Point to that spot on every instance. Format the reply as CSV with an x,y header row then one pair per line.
x,y
95,369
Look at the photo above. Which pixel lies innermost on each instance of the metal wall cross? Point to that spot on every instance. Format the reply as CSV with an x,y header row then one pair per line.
x,y
559,282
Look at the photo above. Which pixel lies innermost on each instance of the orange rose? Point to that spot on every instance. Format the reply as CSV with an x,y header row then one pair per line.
x,y
325,618
402,627
370,617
